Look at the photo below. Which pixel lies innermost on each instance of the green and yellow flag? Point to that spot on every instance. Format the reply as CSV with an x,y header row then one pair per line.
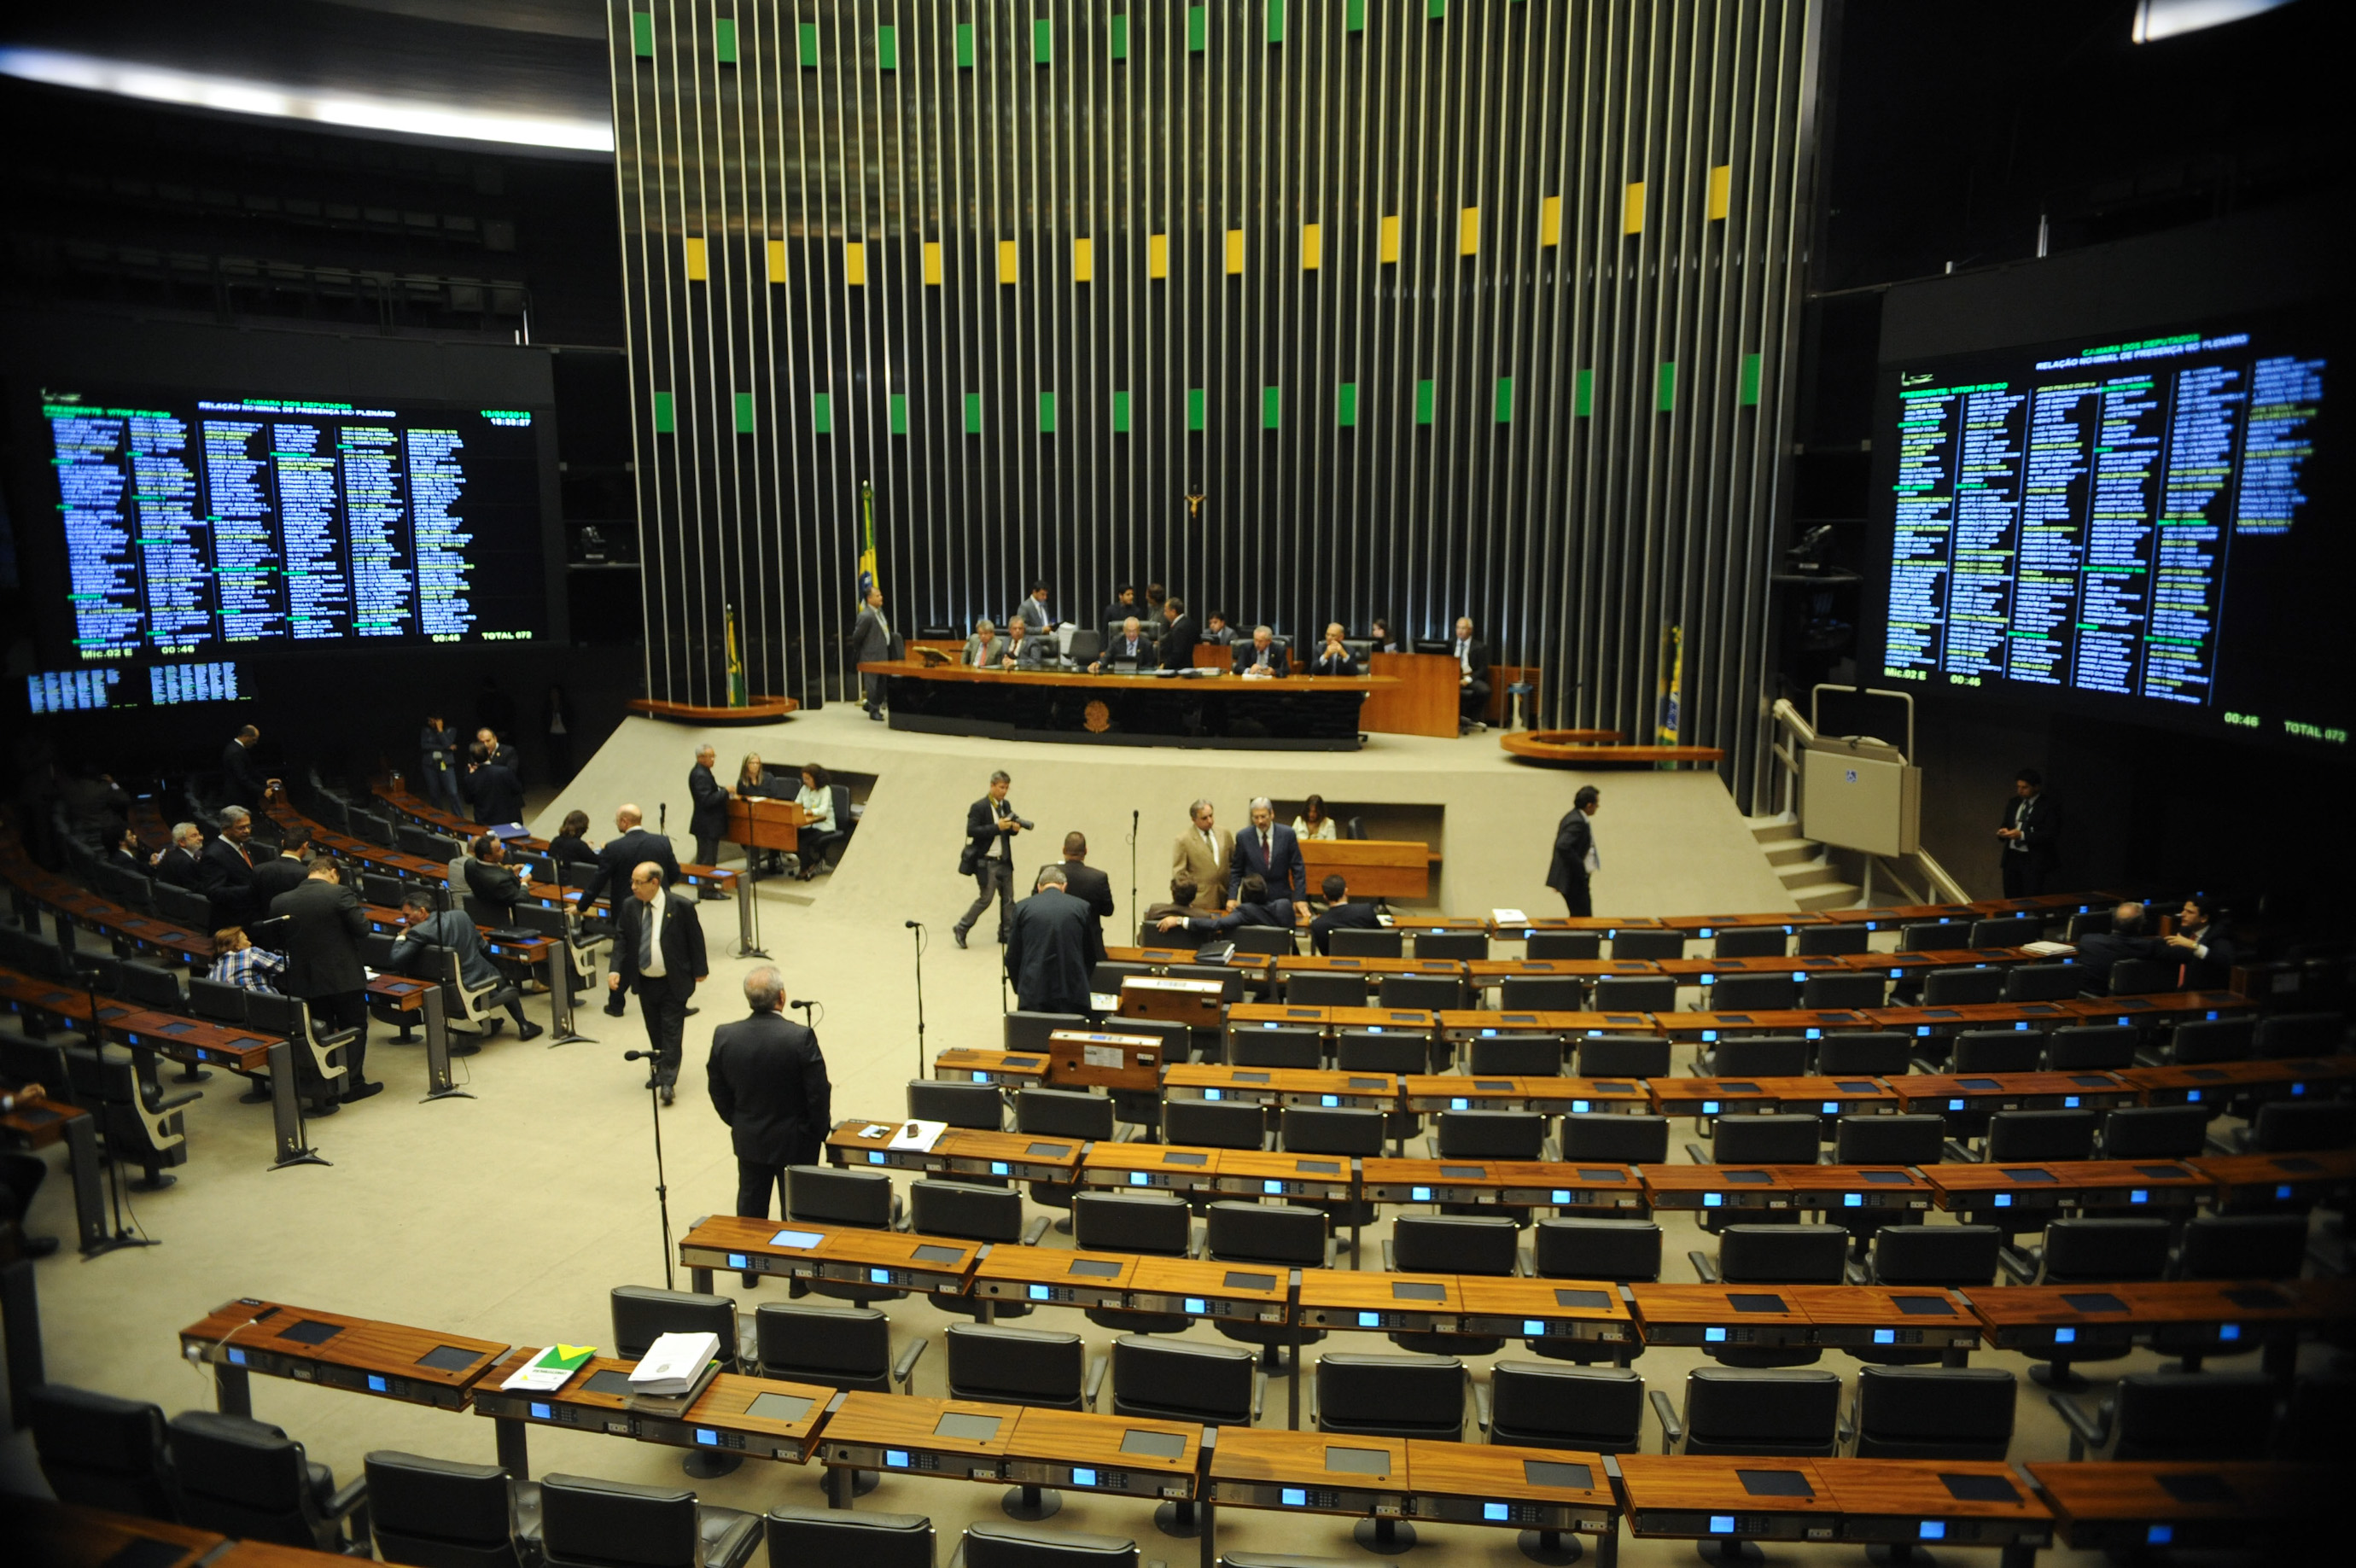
x,y
736,661
867,578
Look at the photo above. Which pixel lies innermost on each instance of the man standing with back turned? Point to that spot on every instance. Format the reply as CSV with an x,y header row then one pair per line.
x,y
1053,949
709,817
768,1083
1575,858
658,954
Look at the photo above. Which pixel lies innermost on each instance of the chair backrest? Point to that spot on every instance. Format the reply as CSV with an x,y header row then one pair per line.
x,y
585,1520
2297,1034
2103,1250
1844,989
1750,942
2089,1047
1933,935
1751,993
1319,1129
280,1016
1573,945
2242,1246
2043,982
1326,990
1213,1124
1460,944
1109,974
1868,1053
1889,1140
643,1315
1622,1140
1230,981
1206,1383
440,1513
1961,988
1782,1254
823,1344
1016,1366
1542,993
960,1209
2032,1136
1761,1056
1489,1134
1280,1047
1152,1222
862,1198
183,906
2303,1126
1821,941
1766,1140
151,987
1516,1055
979,1106
1266,1233
1388,1393
1934,1412
2192,1415
1599,1409
1275,941
1961,1255
2007,931
1636,994
832,1535
1787,1411
1087,644
1364,942
216,1000
2212,1040
1995,1051
993,1545
1624,1056
242,1477
1625,1251
2138,976
2086,922
1648,943
1364,1051
101,1451
1434,992
1063,1112
1456,1244
1029,1031
2155,1132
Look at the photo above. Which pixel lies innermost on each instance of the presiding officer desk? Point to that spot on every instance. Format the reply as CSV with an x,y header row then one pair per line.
x,y
1291,713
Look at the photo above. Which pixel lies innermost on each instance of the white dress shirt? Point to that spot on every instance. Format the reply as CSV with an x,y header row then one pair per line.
x,y
652,968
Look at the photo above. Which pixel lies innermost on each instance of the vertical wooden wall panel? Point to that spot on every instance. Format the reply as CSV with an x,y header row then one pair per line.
x,y
1476,268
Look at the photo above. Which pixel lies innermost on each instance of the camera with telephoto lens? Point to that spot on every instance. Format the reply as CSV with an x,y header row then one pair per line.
x,y
1025,823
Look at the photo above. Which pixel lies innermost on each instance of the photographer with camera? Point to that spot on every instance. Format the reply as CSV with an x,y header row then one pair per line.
x,y
991,826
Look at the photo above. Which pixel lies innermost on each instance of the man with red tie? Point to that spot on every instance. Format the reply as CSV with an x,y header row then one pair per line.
x,y
985,649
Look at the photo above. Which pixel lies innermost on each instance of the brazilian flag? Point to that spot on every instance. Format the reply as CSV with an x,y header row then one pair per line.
x,y
736,661
867,578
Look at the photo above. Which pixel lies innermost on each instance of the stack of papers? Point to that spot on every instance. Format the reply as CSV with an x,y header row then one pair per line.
x,y
673,1364
546,1372
1509,917
2047,949
918,1135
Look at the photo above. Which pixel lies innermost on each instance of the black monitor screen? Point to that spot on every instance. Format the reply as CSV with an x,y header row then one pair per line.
x,y
2141,525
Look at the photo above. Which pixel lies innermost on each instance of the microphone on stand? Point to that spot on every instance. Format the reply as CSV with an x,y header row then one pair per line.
x,y
913,925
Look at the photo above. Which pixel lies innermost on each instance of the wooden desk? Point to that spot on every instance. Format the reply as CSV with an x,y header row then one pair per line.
x,y
1475,1023
1838,1189
1318,964
1738,1096
1946,1022
1055,1276
1551,747
749,1417
60,1535
864,1143
2217,1082
1939,1092
2066,1184
968,1064
1280,1085
1702,927
1748,1317
1545,1489
41,1124
2295,1180
955,1438
1375,867
417,1366
1282,712
1379,1021
2129,1507
1307,1178
1515,1183
2155,1010
1383,1303
1810,1022
235,1047
2160,1313
1105,1060
1488,974
1194,1003
1848,1316
1419,699
1714,1497
895,1260
1310,1472
1608,925
1206,1287
1589,1310
1548,1095
1700,1187
1166,1168
1082,1451
271,1555
765,823
1954,1502
1025,1156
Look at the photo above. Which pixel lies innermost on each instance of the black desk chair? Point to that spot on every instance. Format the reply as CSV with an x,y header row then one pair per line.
x,y
1602,1138
1774,1255
1434,993
183,906
2007,931
1326,990
140,1119
2043,982
1021,1366
2090,1252
589,1523
1636,994
643,1315
1758,1056
1461,946
801,1535
1342,1131
1572,945
247,1478
978,1105
1995,1051
1751,942
1624,1056
1648,945
1268,941
1937,1256
2175,1415
1487,1244
1536,1404
1829,941
322,1071
2288,1035
1215,1124
1488,1135
861,1198
1515,1055
969,1213
2232,1246
1028,1032
1933,935
1844,989
1962,987
2298,1126
1762,1140
151,987
1933,1412
837,1347
1542,994
2140,976
2089,1047
2199,1042
2314,1428
1792,1414
1866,1053
1109,973
1062,1113
1623,1250
1158,1223
1279,1046
1003,1546
2155,1132
1364,942
102,1452
1184,1379
1888,1140
1390,1396
1384,1050
440,1513
2033,1137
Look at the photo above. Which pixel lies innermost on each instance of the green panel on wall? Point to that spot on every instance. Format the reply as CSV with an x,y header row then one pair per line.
x,y
1426,397
887,46
1271,407
1197,408
807,33
1043,41
642,34
822,412
666,414
1345,405
1504,400
1198,28
965,46
1435,9
898,412
1120,31
744,413
1046,413
1276,21
1749,396
723,39
1583,402
1668,388
1354,15
1120,413
973,413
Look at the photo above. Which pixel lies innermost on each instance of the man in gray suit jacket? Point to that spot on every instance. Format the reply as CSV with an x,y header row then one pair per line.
x,y
870,642
985,649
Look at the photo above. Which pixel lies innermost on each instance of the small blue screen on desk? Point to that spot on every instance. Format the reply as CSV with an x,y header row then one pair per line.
x,y
1083,1476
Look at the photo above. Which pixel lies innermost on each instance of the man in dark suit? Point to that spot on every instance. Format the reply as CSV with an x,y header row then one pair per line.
x,y
1122,608
1269,851
492,881
1255,905
2031,833
494,792
871,643
1575,858
1084,881
1031,615
183,865
1471,675
709,819
630,845
2128,938
1182,905
425,929
226,876
507,756
321,937
988,857
2199,943
1176,643
768,1083
243,781
1340,915
285,872
1263,655
1052,948
658,954
1334,658
1132,647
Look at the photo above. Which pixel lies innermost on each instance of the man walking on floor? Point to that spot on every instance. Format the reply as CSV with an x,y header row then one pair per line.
x,y
1575,858
991,826
658,954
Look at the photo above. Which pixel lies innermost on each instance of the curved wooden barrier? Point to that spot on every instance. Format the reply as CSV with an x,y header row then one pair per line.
x,y
1588,749
758,710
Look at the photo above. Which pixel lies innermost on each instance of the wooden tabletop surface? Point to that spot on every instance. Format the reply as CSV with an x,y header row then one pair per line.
x,y
301,1333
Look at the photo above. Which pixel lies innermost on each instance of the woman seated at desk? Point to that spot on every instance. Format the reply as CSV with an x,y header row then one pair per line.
x,y
756,782
1313,822
817,798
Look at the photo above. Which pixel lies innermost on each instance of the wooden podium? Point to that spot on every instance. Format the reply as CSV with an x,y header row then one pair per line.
x,y
1375,867
758,823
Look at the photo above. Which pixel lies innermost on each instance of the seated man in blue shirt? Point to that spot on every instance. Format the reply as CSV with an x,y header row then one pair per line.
x,y
424,928
1252,907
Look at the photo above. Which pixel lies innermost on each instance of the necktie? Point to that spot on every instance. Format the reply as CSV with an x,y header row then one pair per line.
x,y
1464,657
980,651
647,937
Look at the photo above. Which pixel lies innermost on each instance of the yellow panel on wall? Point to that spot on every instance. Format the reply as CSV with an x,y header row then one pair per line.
x,y
1390,240
933,263
1157,255
1010,261
777,248
1084,261
1550,221
1632,208
1468,232
1721,190
854,263
1235,253
1312,247
695,264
